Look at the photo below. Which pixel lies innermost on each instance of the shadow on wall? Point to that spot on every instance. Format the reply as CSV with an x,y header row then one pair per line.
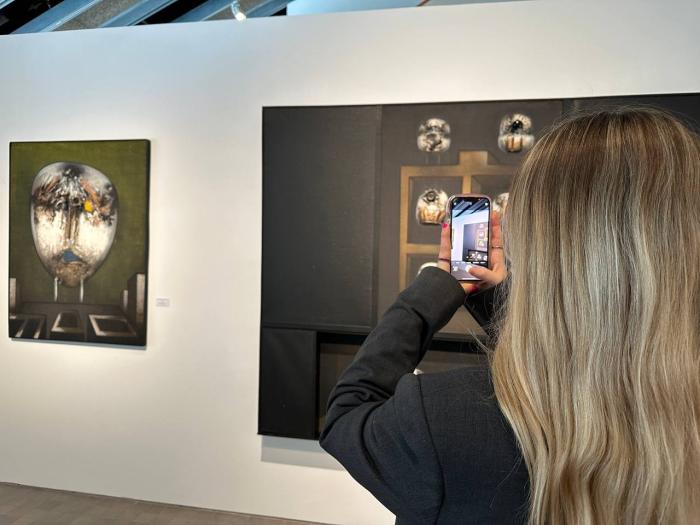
x,y
301,452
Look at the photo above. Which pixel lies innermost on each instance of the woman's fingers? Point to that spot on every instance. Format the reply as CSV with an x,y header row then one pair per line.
x,y
496,272
496,228
445,256
445,248
470,287
496,255
488,277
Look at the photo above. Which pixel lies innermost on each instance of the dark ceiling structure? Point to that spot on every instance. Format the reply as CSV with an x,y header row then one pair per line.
x,y
36,16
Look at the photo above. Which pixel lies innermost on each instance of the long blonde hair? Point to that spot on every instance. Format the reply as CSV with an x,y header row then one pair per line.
x,y
597,365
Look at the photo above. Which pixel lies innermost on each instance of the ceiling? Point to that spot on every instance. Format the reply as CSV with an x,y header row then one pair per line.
x,y
35,16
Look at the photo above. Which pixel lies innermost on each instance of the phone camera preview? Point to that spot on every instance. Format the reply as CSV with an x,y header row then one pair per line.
x,y
470,235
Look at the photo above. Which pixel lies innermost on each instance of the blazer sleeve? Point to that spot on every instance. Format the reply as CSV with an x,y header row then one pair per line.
x,y
483,306
375,424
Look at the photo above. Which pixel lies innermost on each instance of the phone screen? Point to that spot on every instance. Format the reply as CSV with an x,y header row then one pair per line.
x,y
470,217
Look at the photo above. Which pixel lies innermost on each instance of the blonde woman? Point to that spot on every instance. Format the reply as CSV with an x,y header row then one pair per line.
x,y
589,412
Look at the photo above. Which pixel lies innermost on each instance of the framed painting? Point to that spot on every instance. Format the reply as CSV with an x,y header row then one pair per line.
x,y
78,243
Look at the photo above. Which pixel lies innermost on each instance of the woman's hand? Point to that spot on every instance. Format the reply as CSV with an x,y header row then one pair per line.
x,y
488,277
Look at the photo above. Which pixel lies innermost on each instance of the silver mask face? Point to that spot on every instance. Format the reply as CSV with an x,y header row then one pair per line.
x,y
74,210
515,133
431,207
434,136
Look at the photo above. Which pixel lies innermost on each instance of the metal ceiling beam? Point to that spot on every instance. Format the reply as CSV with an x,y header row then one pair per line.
x,y
268,8
56,16
211,8
137,13
4,3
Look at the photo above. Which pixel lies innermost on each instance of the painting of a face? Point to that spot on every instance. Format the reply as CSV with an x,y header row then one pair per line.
x,y
78,257
434,136
74,213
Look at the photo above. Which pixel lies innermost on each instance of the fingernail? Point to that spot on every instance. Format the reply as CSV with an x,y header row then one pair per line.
x,y
444,225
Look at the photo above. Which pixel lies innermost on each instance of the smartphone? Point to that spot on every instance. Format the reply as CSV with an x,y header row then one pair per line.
x,y
470,219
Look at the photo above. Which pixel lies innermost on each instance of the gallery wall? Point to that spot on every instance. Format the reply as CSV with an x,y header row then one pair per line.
x,y
177,422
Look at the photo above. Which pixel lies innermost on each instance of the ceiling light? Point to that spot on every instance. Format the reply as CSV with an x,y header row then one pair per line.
x,y
238,13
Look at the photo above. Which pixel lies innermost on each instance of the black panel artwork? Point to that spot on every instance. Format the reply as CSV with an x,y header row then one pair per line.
x,y
288,377
353,197
318,216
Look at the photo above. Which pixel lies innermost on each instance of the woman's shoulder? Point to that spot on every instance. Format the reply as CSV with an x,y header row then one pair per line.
x,y
463,401
467,381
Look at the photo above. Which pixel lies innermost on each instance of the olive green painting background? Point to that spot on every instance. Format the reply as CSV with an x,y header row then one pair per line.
x,y
126,163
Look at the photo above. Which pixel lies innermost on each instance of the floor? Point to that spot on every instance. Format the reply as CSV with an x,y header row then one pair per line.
x,y
20,505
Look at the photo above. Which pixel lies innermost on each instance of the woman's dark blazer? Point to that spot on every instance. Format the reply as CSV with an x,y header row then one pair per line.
x,y
432,448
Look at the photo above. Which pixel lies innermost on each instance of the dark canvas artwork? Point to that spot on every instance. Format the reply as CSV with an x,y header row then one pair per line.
x,y
78,260
353,200
376,179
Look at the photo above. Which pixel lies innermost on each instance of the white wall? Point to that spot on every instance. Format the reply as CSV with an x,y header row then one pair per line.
x,y
177,422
